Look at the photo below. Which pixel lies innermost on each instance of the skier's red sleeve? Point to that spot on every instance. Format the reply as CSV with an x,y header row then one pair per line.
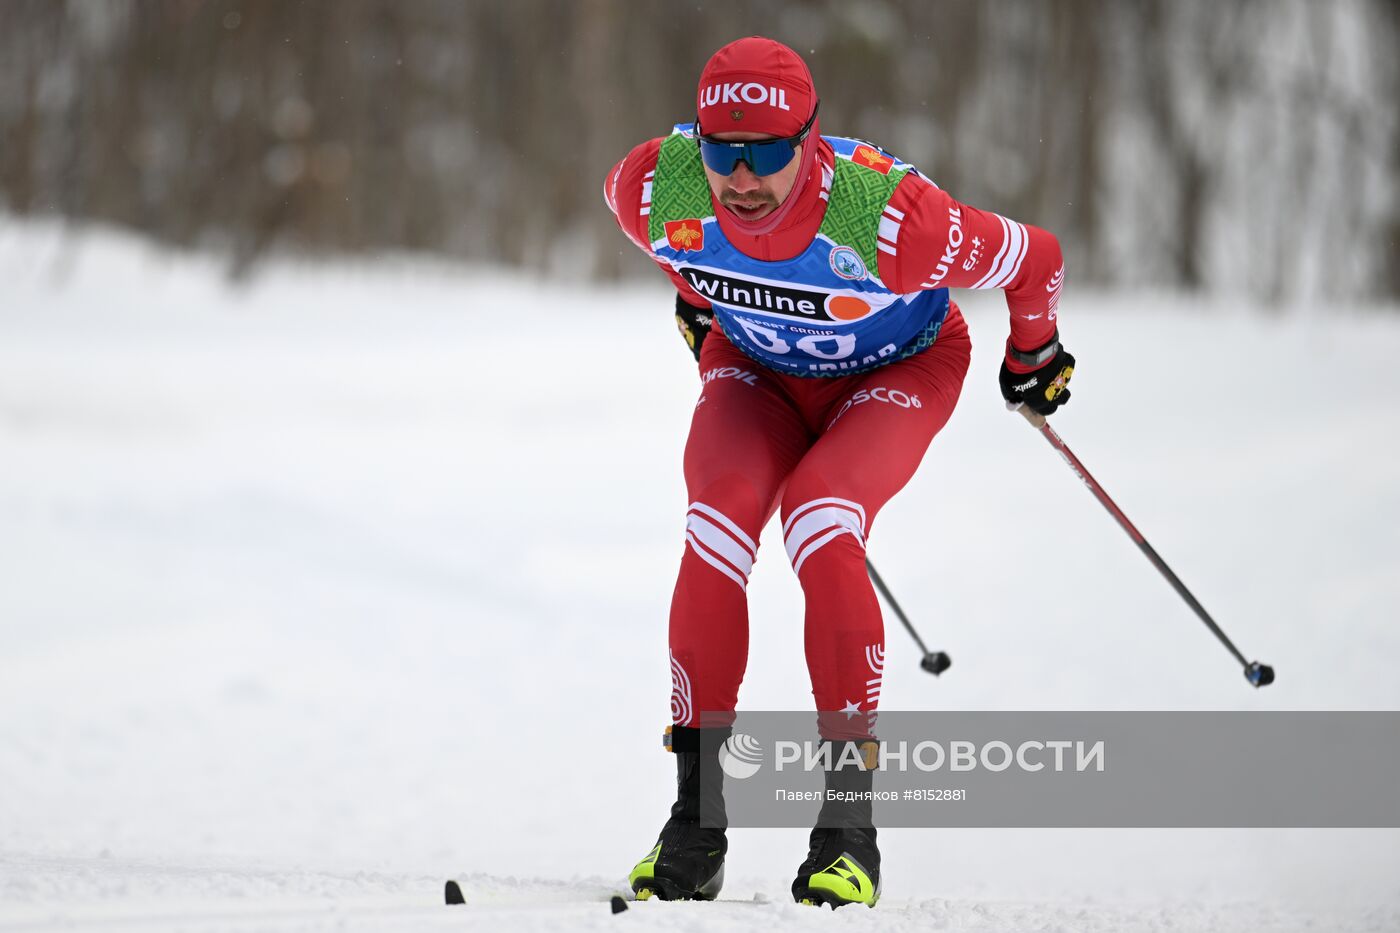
x,y
929,240
627,192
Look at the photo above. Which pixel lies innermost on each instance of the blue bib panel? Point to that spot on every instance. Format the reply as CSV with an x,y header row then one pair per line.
x,y
824,312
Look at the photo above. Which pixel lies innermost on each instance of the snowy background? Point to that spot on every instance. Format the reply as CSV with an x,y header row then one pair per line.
x,y
317,591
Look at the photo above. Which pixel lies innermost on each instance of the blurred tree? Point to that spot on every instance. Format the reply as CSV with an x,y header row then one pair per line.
x,y
1248,145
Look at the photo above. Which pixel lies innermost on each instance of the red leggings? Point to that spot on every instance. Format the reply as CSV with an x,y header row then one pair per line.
x,y
830,453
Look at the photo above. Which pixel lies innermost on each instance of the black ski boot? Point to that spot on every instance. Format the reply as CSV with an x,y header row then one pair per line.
x,y
687,862
843,861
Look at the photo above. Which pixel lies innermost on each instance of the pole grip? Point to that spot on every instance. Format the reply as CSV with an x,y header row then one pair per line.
x,y
1036,420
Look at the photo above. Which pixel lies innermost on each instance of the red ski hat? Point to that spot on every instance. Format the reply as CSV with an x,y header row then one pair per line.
x,y
756,85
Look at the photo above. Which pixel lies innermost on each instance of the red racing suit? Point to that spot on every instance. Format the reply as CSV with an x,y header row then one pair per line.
x,y
827,453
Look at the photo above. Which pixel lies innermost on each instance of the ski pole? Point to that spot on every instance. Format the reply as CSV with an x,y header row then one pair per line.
x,y
1260,675
935,662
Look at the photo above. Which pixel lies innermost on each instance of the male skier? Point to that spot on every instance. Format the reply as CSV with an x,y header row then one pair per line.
x,y
813,275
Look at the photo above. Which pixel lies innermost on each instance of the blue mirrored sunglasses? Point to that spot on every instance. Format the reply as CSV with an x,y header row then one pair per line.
x,y
762,156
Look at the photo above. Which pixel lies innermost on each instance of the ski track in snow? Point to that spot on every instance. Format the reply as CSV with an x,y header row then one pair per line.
x,y
136,895
318,591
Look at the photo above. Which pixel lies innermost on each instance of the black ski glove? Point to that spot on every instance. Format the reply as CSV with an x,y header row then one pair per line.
x,y
693,323
1044,388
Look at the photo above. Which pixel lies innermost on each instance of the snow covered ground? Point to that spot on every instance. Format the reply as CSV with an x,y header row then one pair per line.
x,y
317,592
